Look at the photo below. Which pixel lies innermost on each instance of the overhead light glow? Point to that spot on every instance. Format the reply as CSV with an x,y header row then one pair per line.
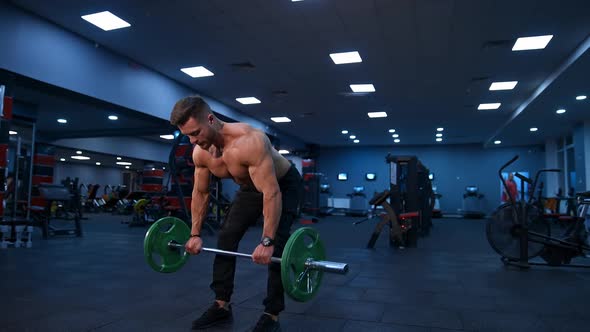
x,y
362,88
346,57
356,141
248,100
440,129
98,163
106,21
113,117
534,129
489,106
62,120
195,72
439,139
397,140
284,151
170,136
496,86
373,115
123,163
531,43
352,136
78,152
62,159
119,158
439,135
12,132
581,97
127,167
345,132
395,135
560,111
497,142
280,119
80,157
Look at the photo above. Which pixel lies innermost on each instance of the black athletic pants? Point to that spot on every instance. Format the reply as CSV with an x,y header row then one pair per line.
x,y
245,210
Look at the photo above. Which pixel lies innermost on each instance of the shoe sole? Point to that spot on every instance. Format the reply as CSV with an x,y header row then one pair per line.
x,y
219,322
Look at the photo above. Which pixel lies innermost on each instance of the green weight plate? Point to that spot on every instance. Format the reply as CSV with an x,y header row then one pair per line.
x,y
303,244
155,245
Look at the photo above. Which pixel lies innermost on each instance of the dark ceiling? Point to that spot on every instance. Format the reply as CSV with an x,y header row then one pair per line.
x,y
431,62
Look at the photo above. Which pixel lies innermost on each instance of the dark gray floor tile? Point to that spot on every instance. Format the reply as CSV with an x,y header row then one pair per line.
x,y
495,321
562,324
400,296
461,301
358,326
356,310
67,320
342,293
305,323
422,316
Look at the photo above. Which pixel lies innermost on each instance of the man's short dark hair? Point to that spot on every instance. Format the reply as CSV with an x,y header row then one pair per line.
x,y
189,107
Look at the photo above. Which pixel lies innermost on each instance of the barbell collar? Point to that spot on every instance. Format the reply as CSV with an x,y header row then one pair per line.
x,y
327,266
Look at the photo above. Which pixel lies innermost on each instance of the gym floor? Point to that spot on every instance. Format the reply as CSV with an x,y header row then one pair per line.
x,y
452,282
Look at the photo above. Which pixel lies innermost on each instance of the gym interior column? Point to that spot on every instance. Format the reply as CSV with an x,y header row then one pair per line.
x,y
581,138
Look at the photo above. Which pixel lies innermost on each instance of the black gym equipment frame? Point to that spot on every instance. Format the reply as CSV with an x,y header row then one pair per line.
x,y
411,191
556,252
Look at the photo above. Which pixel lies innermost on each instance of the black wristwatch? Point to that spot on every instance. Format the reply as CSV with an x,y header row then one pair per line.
x,y
267,242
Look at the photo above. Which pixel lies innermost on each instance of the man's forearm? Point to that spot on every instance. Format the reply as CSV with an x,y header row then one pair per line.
x,y
272,207
199,207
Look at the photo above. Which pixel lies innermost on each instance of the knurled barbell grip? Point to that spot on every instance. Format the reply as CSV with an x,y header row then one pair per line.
x,y
326,266
223,252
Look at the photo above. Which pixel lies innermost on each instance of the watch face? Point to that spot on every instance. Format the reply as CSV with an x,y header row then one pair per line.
x,y
267,242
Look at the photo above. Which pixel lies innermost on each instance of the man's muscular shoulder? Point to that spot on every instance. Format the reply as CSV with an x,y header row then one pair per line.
x,y
200,157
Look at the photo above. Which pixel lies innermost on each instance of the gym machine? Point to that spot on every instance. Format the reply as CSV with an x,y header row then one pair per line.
x,y
519,232
411,194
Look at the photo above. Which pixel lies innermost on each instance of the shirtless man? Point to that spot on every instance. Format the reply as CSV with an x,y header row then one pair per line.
x,y
269,184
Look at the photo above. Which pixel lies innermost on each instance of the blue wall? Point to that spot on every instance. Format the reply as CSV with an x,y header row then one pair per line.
x,y
454,166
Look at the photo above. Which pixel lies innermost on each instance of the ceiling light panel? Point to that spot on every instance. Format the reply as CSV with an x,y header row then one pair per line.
x,y
373,115
196,72
106,21
346,57
280,119
489,106
531,43
362,88
248,100
497,86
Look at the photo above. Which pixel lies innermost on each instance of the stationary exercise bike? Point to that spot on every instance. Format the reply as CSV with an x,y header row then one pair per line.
x,y
518,232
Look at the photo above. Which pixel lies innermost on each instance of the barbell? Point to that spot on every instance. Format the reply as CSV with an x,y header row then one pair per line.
x,y
302,263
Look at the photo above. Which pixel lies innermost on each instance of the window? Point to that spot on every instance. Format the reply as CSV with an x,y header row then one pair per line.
x,y
342,176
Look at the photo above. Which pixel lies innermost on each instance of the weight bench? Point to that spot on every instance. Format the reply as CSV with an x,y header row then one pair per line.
x,y
397,226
